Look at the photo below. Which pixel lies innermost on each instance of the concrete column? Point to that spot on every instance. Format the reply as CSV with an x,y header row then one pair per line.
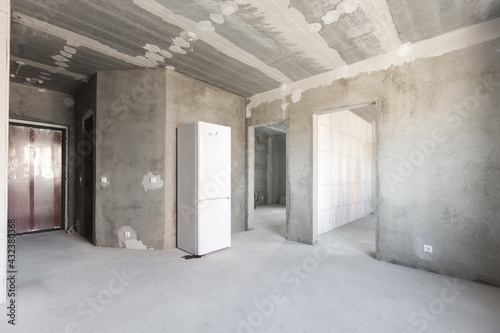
x,y
315,186
269,176
4,127
275,173
374,168
250,176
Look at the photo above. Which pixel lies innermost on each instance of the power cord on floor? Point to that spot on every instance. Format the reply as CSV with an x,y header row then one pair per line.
x,y
72,230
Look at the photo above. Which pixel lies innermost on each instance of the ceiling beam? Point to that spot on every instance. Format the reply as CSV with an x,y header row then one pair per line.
x,y
377,11
212,38
292,25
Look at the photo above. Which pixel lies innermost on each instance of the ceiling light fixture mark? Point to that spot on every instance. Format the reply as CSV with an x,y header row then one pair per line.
x,y
330,17
155,56
190,38
177,49
166,54
228,8
151,48
217,18
147,62
66,54
181,42
315,27
205,26
60,58
348,6
70,50
404,49
74,43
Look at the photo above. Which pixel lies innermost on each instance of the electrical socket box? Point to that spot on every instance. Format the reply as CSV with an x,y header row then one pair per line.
x,y
127,234
428,248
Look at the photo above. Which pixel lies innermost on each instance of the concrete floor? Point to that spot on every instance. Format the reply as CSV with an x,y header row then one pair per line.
x,y
263,283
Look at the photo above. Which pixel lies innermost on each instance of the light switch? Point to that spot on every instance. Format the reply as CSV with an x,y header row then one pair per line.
x,y
152,180
104,180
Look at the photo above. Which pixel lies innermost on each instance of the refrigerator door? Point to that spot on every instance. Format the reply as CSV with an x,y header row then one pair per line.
x,y
214,161
214,225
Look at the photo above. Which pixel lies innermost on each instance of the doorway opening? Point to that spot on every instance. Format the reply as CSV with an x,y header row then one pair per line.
x,y
269,178
88,180
345,169
36,177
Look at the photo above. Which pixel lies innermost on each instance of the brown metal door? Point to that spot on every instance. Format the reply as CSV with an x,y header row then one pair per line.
x,y
35,178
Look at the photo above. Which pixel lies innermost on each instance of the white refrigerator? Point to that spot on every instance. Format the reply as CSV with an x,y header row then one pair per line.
x,y
203,187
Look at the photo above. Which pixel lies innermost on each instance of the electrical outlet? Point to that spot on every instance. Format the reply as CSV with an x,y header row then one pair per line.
x,y
428,248
127,234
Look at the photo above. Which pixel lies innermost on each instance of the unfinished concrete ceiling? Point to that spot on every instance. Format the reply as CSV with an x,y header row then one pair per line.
x,y
243,46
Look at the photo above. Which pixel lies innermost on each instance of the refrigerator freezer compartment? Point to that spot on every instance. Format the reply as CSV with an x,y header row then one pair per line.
x,y
214,225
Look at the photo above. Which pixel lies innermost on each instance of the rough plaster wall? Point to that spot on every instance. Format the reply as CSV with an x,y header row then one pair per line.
x,y
267,113
190,100
131,118
85,105
450,200
27,103
261,163
439,164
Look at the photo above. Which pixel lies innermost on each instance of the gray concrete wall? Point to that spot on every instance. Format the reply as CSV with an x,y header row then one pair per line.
x,y
190,100
85,106
27,103
260,169
137,114
131,145
438,134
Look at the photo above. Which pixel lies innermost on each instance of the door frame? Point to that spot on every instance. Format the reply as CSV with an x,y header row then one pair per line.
x,y
315,145
250,173
65,164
